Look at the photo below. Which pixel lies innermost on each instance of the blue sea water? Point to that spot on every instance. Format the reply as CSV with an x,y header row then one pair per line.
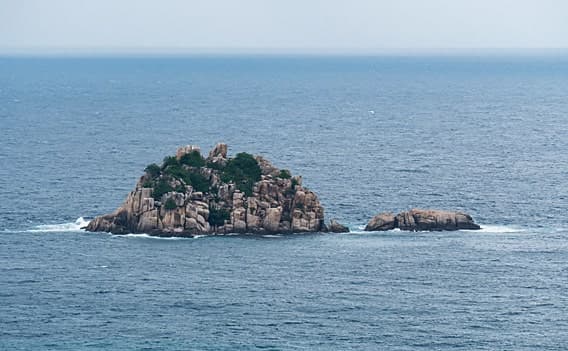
x,y
487,135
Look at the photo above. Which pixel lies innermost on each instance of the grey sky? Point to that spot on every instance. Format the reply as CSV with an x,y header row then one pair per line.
x,y
280,25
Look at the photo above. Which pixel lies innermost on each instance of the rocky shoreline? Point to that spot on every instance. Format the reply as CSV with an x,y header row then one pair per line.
x,y
190,195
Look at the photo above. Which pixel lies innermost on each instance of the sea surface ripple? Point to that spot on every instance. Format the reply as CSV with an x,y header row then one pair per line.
x,y
486,135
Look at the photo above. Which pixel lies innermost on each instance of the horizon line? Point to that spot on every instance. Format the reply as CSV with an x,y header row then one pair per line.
x,y
165,51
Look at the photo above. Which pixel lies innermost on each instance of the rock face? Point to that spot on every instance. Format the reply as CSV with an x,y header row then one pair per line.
x,y
189,195
422,220
336,227
382,221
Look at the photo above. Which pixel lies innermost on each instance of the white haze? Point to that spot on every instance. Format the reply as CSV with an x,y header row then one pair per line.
x,y
314,26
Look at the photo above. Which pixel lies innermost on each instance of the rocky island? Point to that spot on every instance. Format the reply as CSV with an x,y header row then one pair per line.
x,y
189,195
422,220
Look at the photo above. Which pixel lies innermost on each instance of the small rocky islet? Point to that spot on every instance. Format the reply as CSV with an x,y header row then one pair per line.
x,y
422,220
190,195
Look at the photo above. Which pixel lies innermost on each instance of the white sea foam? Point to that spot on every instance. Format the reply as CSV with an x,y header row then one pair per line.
x,y
359,229
133,236
61,227
484,229
498,229
75,227
147,236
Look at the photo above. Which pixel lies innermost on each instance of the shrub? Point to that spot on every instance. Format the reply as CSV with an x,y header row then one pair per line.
x,y
153,170
215,165
214,190
244,171
160,189
189,177
245,186
169,161
177,171
193,159
284,174
243,166
199,182
218,216
170,204
294,183
148,184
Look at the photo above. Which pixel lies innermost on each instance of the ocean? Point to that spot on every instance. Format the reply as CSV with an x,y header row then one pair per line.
x,y
486,134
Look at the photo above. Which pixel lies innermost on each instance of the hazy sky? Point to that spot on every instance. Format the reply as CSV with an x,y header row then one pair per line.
x,y
280,25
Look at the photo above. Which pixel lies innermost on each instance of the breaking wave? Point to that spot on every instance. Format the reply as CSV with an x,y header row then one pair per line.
x,y
61,227
147,236
499,229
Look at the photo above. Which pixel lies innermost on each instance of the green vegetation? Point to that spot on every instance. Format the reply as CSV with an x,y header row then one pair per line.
x,y
170,204
175,169
285,174
153,170
217,216
160,188
199,182
292,190
192,159
169,161
214,165
294,183
244,171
